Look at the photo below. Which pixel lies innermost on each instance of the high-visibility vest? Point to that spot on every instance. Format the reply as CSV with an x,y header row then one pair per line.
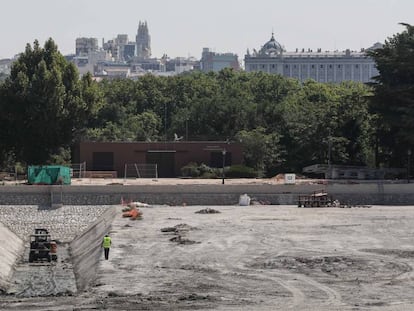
x,y
106,242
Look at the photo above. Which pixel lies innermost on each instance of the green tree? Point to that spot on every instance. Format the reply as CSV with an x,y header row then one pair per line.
x,y
321,122
42,107
262,150
393,99
142,127
120,101
283,124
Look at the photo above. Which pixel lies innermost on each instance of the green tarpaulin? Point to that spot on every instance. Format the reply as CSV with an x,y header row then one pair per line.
x,y
49,175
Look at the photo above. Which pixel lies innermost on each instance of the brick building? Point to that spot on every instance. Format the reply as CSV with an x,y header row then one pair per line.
x,y
170,157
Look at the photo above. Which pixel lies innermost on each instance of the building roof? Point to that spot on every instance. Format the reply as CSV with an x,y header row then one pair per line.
x,y
271,47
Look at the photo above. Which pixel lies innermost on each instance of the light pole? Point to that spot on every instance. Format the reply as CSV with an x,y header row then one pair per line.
x,y
408,165
223,153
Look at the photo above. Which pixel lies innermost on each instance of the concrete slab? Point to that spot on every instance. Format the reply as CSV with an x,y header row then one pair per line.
x,y
11,247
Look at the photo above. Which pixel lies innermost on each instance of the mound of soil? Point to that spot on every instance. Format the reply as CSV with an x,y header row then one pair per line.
x,y
180,240
208,211
178,228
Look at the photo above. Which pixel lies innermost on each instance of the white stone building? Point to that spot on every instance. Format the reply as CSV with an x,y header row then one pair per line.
x,y
329,66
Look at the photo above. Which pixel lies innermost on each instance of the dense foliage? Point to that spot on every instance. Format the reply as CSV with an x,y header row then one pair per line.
x,y
284,125
393,102
43,105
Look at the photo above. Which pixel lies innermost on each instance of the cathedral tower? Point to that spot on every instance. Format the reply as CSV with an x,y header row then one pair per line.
x,y
143,41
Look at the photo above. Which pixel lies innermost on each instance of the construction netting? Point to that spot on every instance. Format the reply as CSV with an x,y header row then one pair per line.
x,y
48,175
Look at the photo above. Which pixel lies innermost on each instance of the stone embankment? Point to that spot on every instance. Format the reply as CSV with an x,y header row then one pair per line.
x,y
210,193
11,247
85,249
62,223
87,224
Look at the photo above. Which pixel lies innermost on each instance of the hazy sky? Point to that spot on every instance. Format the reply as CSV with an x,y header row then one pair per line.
x,y
184,27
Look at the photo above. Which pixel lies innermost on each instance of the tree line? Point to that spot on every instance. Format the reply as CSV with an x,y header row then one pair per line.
x,y
284,125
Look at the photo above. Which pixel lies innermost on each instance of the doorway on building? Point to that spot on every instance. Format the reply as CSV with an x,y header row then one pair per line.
x,y
165,160
103,161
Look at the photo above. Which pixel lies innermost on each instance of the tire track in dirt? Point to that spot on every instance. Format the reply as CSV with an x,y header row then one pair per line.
x,y
291,282
333,297
298,296
294,283
242,251
43,278
393,257
288,280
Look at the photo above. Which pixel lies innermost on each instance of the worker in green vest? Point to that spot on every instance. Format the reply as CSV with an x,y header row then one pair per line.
x,y
106,244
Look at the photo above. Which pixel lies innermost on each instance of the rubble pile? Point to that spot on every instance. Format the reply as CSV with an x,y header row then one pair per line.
x,y
180,228
179,231
208,211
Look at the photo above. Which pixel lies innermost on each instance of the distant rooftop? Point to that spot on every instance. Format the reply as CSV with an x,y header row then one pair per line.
x,y
272,48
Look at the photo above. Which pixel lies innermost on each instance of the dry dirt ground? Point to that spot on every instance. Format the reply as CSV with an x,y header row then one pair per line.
x,y
251,258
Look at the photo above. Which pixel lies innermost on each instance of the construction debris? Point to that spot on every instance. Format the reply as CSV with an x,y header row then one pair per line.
x,y
208,211
180,240
318,198
353,205
133,214
244,200
131,203
180,228
131,209
179,231
322,199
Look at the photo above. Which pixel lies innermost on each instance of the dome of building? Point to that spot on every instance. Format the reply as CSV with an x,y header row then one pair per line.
x,y
271,47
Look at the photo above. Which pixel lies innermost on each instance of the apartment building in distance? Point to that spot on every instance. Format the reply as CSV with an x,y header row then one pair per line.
x,y
321,66
212,61
120,57
5,65
86,45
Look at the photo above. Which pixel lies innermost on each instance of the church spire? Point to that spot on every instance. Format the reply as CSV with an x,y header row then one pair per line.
x,y
143,40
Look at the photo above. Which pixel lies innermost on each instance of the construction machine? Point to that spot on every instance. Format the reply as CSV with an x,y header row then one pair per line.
x,y
318,198
42,247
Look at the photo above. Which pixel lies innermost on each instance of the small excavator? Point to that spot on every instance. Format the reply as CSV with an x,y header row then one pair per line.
x,y
42,247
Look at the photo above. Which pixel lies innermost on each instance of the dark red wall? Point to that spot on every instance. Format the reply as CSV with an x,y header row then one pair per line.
x,y
136,152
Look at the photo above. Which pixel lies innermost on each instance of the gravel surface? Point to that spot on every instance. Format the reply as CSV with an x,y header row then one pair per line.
x,y
63,223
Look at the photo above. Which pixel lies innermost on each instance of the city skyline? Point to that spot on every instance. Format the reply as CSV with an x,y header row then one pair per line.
x,y
181,28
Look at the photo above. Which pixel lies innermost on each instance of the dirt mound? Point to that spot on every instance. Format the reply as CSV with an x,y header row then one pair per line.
x,y
279,177
180,228
208,211
338,266
180,240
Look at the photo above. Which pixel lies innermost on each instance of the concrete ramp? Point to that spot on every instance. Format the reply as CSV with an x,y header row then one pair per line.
x,y
11,248
86,251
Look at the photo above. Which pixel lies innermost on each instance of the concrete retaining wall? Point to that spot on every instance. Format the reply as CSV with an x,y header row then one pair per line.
x,y
86,250
372,193
11,248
